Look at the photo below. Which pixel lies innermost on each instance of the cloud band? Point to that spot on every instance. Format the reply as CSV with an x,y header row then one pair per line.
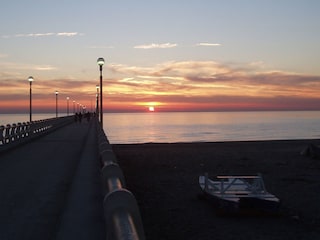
x,y
156,45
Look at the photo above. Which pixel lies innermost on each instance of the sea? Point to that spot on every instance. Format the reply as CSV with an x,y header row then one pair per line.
x,y
171,127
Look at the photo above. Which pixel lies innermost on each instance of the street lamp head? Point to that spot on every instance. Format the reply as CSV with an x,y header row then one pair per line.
x,y
30,79
56,92
97,87
100,61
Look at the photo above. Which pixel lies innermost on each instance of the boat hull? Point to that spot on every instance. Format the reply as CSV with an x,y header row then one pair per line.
x,y
236,196
245,206
259,205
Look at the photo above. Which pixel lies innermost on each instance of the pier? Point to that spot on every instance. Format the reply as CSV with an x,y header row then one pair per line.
x,y
62,181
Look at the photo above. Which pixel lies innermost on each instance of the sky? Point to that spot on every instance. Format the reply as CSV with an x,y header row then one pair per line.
x,y
173,55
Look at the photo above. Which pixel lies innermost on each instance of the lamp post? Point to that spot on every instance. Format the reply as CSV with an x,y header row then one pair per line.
x,y
97,100
56,92
68,106
100,62
74,106
30,79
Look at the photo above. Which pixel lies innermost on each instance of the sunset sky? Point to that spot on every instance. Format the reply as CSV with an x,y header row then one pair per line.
x,y
174,55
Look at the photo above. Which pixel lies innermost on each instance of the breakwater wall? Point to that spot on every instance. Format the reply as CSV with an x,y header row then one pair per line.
x,y
122,215
15,134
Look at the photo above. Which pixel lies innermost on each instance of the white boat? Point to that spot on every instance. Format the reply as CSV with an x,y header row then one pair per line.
x,y
239,194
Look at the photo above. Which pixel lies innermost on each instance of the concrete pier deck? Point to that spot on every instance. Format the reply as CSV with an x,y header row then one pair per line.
x,y
50,188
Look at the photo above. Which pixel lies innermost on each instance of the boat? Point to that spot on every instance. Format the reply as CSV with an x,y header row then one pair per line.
x,y
239,194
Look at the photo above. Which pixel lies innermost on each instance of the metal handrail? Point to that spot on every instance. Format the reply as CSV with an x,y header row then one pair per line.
x,y
17,133
121,212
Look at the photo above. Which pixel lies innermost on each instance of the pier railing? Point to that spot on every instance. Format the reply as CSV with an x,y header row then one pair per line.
x,y
15,134
122,215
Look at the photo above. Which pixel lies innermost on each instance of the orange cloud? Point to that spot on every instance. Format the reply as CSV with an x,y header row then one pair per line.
x,y
215,86
175,86
14,94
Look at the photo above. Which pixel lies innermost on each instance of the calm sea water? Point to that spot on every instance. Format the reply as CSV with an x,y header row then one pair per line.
x,y
201,127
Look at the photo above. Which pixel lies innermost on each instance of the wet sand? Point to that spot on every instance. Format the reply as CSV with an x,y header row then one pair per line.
x,y
164,180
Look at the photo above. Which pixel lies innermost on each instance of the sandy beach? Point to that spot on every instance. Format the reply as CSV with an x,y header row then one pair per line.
x,y
164,180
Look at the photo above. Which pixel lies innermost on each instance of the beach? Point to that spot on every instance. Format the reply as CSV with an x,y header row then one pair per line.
x,y
164,180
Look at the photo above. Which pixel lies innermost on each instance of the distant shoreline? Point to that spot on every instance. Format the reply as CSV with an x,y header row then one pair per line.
x,y
163,177
309,140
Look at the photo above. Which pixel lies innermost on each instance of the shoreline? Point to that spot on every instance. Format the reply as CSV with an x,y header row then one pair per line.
x,y
307,140
163,177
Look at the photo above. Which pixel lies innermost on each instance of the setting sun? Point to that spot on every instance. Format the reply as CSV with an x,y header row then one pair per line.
x,y
151,109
